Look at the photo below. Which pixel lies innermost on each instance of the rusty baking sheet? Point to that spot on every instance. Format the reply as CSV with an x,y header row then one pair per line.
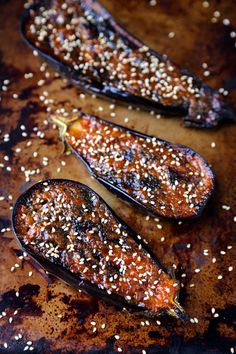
x,y
40,314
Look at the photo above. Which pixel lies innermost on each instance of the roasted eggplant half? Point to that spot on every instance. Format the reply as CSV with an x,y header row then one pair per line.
x,y
165,179
73,234
85,43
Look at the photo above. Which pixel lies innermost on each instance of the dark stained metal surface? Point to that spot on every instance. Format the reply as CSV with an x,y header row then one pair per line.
x,y
35,307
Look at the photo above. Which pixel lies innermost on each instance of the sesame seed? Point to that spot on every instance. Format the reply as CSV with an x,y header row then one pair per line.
x,y
171,34
206,73
213,145
226,21
205,4
153,2
216,13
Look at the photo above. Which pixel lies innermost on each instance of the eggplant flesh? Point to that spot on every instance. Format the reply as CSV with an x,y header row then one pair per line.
x,y
70,231
85,43
163,178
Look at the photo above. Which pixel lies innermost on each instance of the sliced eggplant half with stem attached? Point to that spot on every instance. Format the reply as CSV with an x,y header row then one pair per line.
x,y
86,44
68,229
166,179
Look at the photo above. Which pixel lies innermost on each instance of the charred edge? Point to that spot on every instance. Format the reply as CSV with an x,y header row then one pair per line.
x,y
122,194
75,280
98,88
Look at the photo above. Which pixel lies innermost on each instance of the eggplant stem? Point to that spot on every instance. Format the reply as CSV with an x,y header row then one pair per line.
x,y
61,125
178,312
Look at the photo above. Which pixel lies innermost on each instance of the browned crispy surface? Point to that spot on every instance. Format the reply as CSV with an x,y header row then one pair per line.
x,y
80,35
71,227
54,316
166,179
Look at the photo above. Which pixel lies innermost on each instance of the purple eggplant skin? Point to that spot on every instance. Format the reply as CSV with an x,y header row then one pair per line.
x,y
76,281
129,199
98,88
200,114
122,193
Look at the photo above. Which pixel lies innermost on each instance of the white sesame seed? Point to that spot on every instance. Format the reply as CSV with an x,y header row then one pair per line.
x,y
171,34
205,4
213,145
216,13
233,34
153,2
226,21
206,73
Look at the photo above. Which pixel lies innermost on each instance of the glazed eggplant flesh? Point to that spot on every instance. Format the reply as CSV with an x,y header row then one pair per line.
x,y
73,234
165,179
83,41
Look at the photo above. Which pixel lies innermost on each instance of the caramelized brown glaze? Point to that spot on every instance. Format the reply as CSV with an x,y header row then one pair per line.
x,y
81,39
163,178
56,317
70,226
